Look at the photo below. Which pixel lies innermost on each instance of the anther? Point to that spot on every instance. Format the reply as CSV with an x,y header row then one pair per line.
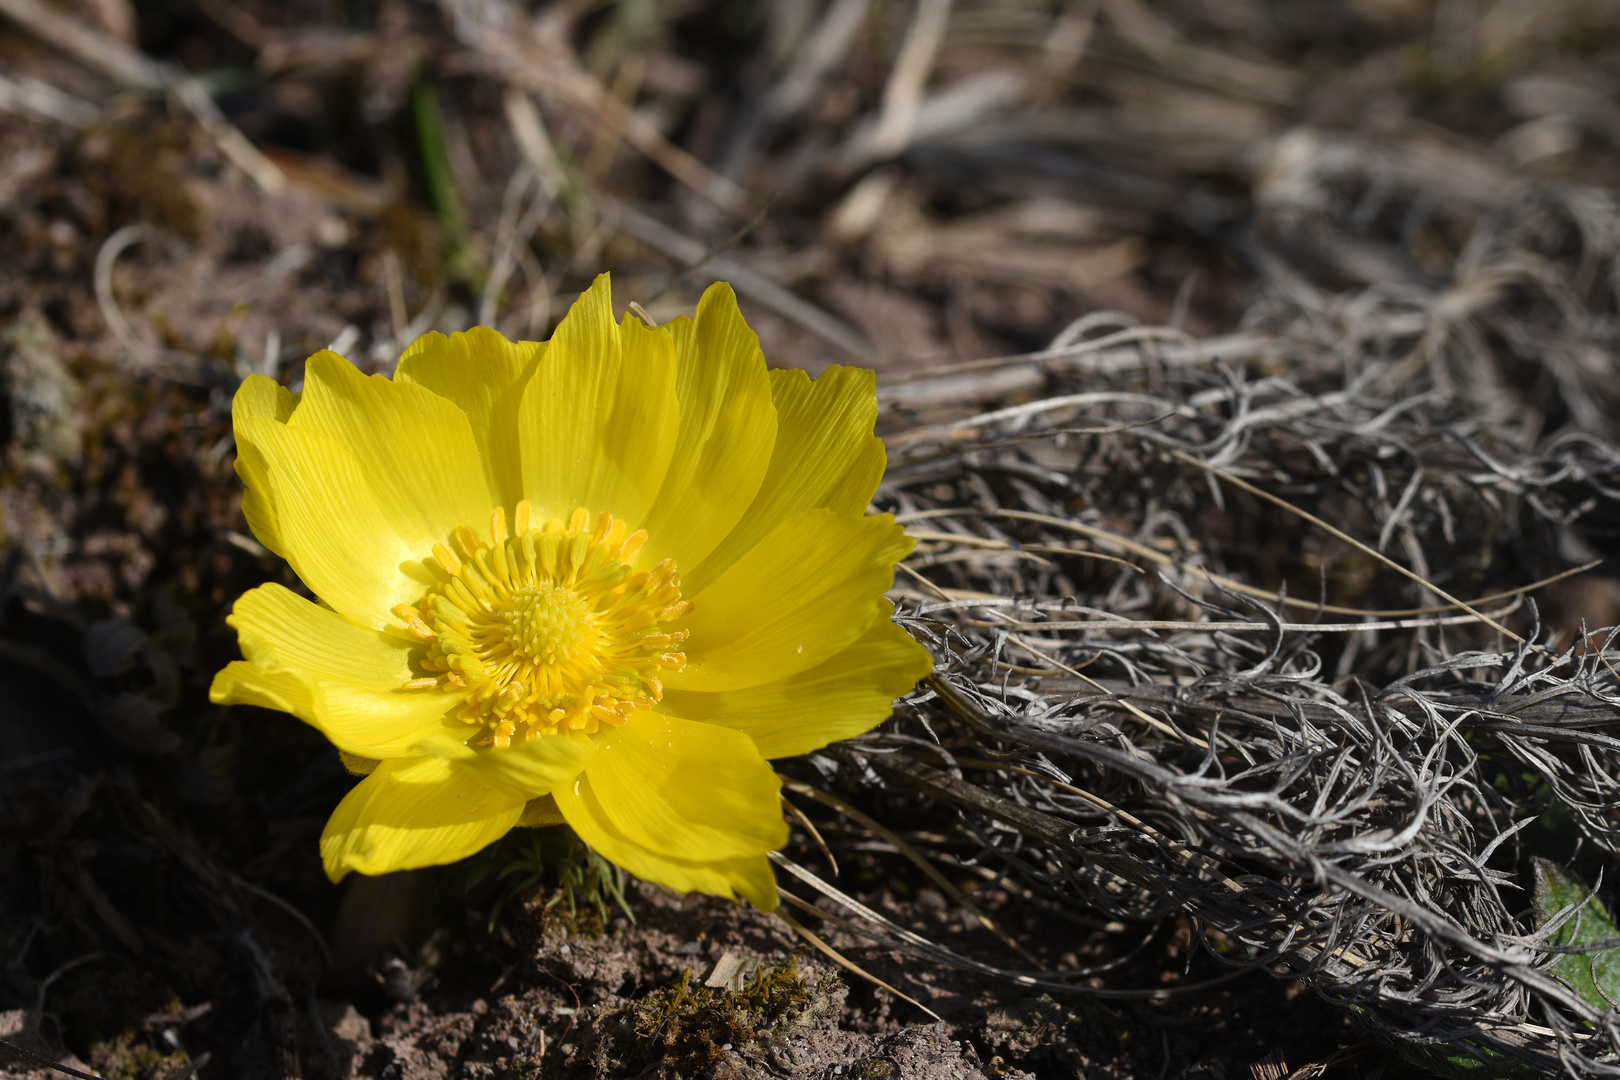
x,y
550,631
631,545
447,559
413,621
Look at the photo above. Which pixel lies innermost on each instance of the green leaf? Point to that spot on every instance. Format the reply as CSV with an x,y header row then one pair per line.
x,y
1556,890
1491,1065
1594,976
441,185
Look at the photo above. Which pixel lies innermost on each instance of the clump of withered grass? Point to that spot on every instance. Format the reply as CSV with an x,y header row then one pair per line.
x,y
1247,630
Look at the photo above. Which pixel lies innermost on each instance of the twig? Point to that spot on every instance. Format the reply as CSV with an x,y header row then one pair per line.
x,y
45,1062
78,961
29,95
118,61
519,60
114,246
903,91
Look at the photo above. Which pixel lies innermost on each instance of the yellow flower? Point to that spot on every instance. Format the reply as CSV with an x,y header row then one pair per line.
x,y
620,569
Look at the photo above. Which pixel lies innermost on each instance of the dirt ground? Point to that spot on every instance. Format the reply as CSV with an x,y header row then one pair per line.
x,y
194,190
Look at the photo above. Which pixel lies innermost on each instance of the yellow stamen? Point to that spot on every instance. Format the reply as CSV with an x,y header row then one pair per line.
x,y
550,630
413,621
632,545
447,559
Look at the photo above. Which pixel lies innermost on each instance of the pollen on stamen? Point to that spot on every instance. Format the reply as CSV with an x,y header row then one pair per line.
x,y
548,631
632,544
413,622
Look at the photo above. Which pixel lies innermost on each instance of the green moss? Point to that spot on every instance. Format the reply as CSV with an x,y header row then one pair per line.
x,y
127,1058
685,1030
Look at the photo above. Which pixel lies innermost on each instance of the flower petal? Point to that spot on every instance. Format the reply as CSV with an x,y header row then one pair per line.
x,y
850,693
416,449
483,374
539,766
332,532
597,422
335,676
802,594
750,877
727,429
414,812
683,789
259,398
825,456
690,806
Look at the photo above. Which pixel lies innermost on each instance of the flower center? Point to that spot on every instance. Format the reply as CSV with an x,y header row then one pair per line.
x,y
548,630
547,623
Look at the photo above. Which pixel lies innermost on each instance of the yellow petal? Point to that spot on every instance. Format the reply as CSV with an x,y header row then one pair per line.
x,y
539,766
597,422
850,693
338,677
825,456
332,532
686,805
727,429
415,448
415,812
259,398
684,789
805,592
749,877
483,374
540,812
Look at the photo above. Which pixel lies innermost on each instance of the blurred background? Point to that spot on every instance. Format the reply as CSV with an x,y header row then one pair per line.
x,y
195,190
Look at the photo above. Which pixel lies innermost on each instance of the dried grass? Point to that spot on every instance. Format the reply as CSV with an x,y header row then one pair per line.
x,y
1128,724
